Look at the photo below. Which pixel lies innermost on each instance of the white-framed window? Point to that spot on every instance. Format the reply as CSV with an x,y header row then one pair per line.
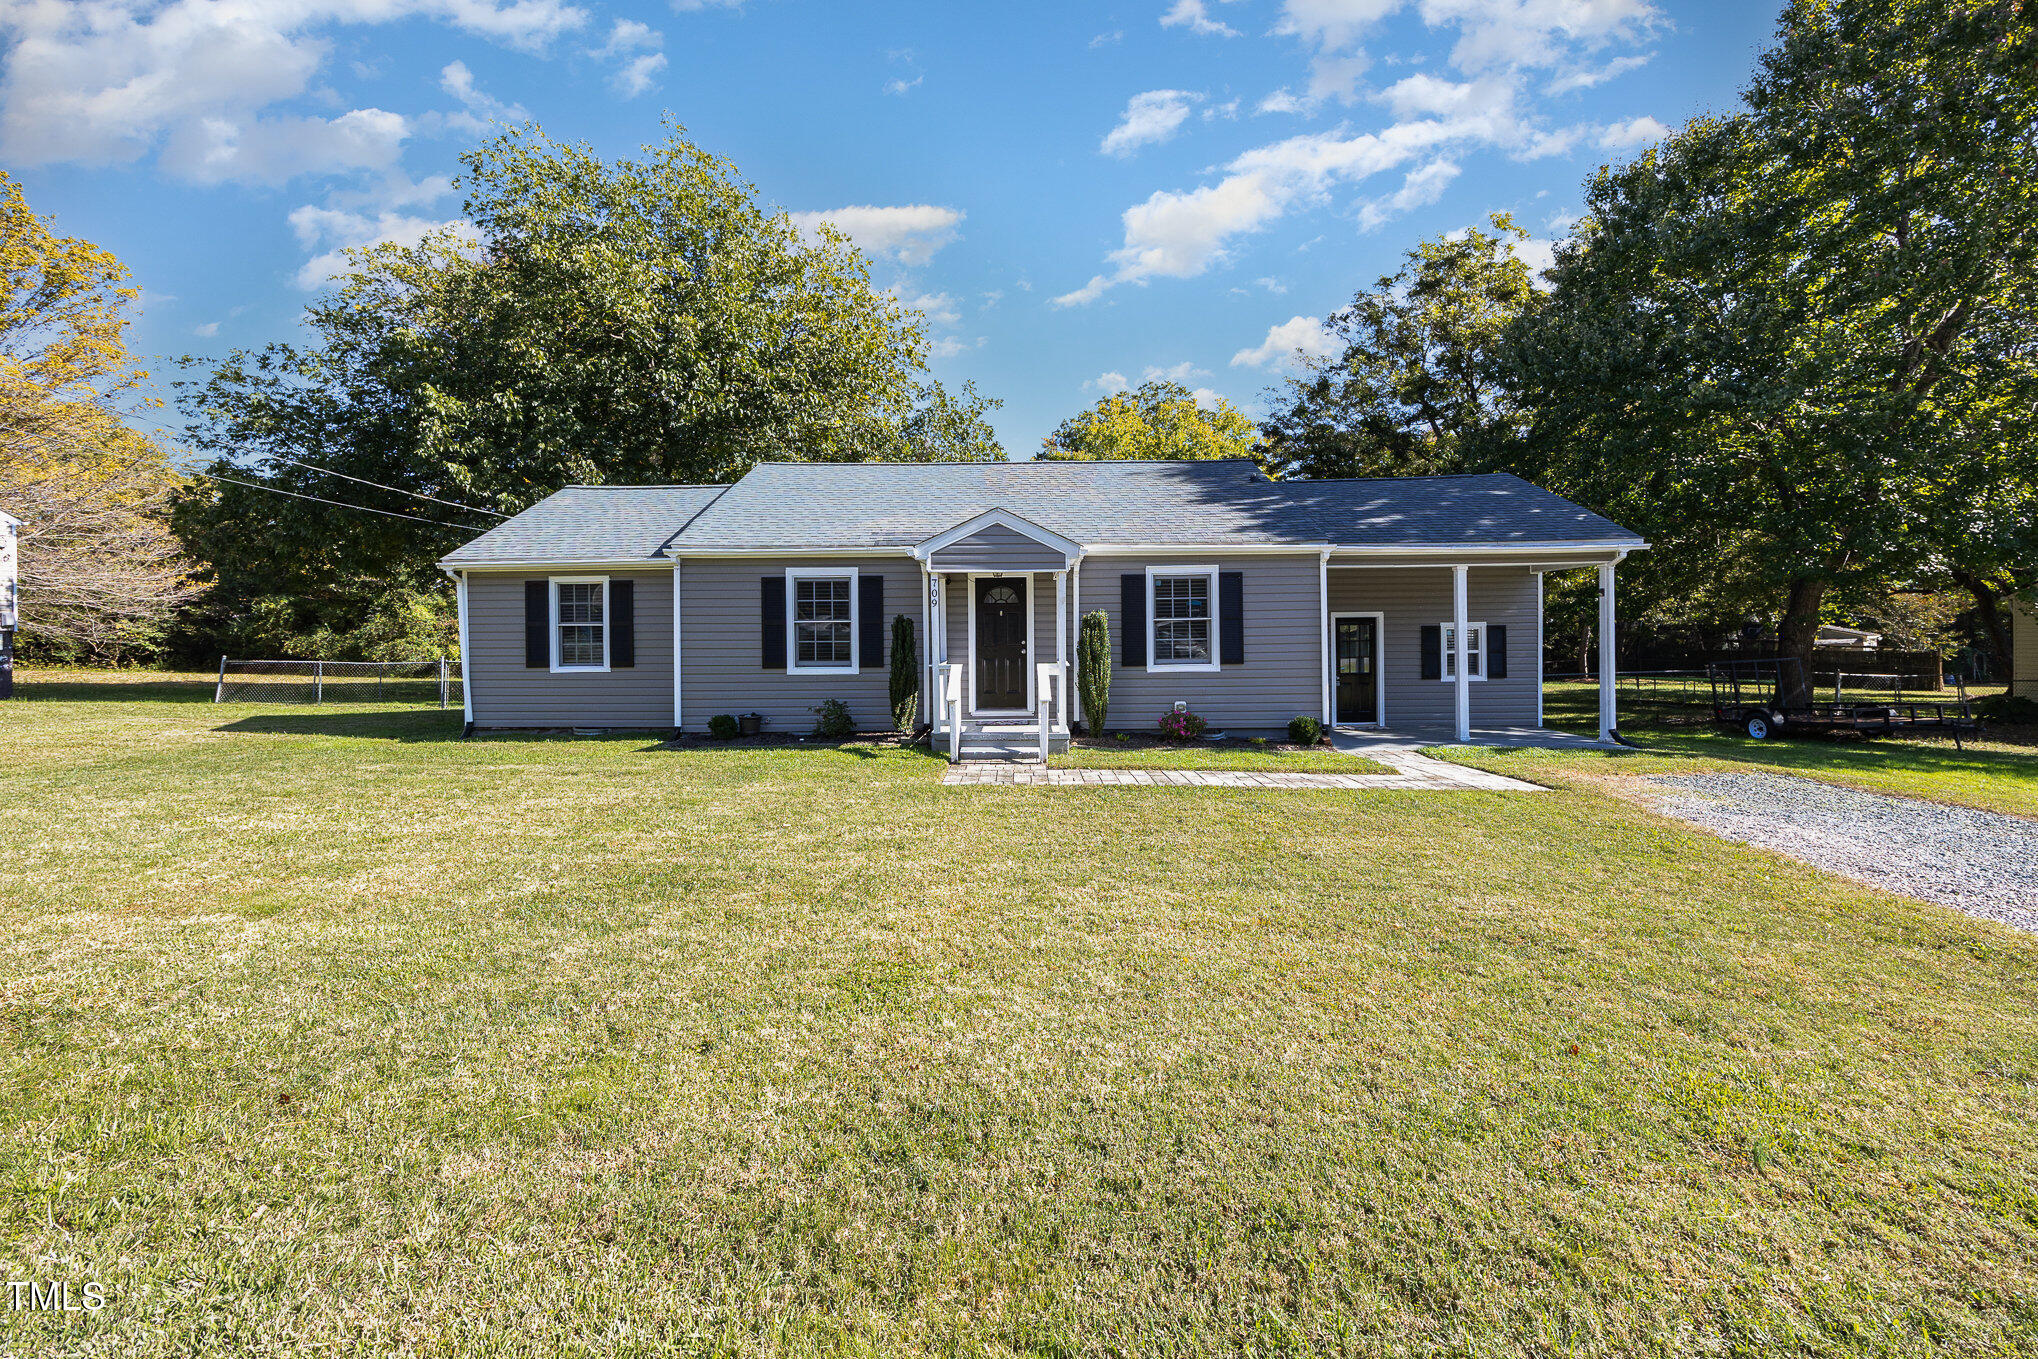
x,y
821,620
1475,642
580,623
1181,612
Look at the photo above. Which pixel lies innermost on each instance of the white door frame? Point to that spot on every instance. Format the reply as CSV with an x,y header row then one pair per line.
x,y
1025,579
1379,666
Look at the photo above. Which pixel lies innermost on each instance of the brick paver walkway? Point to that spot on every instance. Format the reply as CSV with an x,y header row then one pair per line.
x,y
1410,771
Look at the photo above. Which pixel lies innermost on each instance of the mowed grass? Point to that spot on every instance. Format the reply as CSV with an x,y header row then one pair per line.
x,y
330,1033
1999,772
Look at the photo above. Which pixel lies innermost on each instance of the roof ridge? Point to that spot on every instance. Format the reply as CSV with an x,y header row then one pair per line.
x,y
1002,462
646,485
1413,476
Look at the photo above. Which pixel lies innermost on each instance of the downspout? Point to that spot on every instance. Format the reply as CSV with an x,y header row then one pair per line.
x,y
466,655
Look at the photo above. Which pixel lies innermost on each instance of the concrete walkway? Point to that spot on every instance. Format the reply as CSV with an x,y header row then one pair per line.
x,y
1411,771
1373,742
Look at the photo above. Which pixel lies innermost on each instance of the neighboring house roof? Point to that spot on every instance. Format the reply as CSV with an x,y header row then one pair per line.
x,y
823,505
589,524
816,506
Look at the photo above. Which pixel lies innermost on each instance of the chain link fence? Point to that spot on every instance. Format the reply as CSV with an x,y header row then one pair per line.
x,y
257,681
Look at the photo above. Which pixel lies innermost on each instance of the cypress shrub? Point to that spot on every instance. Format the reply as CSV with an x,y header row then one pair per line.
x,y
905,674
1093,668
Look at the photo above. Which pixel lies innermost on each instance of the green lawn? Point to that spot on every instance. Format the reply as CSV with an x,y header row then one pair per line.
x,y
1109,754
331,1033
1998,772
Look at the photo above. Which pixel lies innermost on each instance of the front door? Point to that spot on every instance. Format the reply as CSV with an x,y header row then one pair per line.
x,y
1001,644
1358,658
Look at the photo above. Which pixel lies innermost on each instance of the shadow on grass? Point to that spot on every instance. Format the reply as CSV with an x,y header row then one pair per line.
x,y
409,726
111,691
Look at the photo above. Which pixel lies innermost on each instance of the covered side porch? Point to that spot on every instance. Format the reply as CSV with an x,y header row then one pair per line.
x,y
998,593
1445,645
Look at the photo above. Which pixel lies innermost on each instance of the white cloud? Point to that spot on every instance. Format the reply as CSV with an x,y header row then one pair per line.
x,y
1272,285
1106,39
1106,383
108,83
339,231
1636,132
1205,397
910,234
637,75
629,36
1194,15
1303,335
1153,116
1182,373
1585,77
1538,255
1495,34
939,308
206,331
481,108
1281,101
902,85
1423,185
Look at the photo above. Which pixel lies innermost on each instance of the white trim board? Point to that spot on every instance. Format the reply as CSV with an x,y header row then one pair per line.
x,y
1216,661
608,624
795,574
1000,519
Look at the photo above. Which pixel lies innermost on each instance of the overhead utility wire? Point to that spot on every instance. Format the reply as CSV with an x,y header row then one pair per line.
x,y
365,509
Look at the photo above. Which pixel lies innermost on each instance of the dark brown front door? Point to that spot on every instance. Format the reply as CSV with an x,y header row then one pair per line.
x,y
1358,652
1001,644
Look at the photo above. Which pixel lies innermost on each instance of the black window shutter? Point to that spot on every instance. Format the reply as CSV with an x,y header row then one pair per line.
x,y
1132,619
538,625
870,621
1496,651
1231,618
772,619
622,624
1433,652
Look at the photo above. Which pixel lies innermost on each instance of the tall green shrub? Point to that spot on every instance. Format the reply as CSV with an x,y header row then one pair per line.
x,y
1093,667
905,674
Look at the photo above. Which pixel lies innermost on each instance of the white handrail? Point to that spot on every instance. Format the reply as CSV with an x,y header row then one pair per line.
x,y
952,683
1044,680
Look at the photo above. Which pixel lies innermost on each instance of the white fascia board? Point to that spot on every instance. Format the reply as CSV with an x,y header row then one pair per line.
x,y
927,547
1613,547
678,552
1203,549
556,564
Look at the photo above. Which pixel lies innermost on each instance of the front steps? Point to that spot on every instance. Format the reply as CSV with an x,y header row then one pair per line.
x,y
1003,742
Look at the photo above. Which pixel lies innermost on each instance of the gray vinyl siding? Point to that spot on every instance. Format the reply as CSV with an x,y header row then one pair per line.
x,y
1283,671
995,547
508,694
1413,598
2024,649
721,644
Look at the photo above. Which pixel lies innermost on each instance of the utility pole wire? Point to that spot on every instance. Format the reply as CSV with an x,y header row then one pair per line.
x,y
365,509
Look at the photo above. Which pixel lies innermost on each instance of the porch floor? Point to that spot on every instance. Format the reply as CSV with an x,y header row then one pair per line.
x,y
1375,740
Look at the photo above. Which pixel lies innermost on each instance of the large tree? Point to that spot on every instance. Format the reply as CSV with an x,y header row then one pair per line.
x,y
1156,420
100,571
1418,385
638,320
1803,332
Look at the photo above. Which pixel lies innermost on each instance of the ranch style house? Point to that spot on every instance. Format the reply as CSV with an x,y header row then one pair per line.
x,y
1408,603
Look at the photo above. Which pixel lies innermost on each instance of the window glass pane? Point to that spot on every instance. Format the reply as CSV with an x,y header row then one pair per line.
x,y
580,623
1181,619
821,621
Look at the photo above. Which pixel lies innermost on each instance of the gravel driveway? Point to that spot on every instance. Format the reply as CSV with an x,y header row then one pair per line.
x,y
1983,863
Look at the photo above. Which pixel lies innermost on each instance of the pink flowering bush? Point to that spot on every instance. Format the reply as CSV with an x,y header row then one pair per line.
x,y
1182,726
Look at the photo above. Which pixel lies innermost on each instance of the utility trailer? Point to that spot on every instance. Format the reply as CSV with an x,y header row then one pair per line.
x,y
1753,695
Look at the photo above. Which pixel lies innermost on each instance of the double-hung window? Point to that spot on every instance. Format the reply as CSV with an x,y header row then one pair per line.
x,y
1475,645
580,623
1184,612
823,620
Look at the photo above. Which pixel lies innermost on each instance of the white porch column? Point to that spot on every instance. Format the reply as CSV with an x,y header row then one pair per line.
x,y
1076,671
927,701
1539,650
677,672
1608,718
1061,639
1323,633
466,656
1461,653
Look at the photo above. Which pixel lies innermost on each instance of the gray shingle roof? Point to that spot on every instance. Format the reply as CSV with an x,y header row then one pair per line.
x,y
815,505
589,523
819,505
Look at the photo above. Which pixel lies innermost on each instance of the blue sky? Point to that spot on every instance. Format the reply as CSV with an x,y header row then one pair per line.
x,y
1077,196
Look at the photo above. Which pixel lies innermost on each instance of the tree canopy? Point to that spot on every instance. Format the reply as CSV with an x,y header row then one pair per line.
x,y
1419,386
1804,333
1155,420
99,570
636,320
